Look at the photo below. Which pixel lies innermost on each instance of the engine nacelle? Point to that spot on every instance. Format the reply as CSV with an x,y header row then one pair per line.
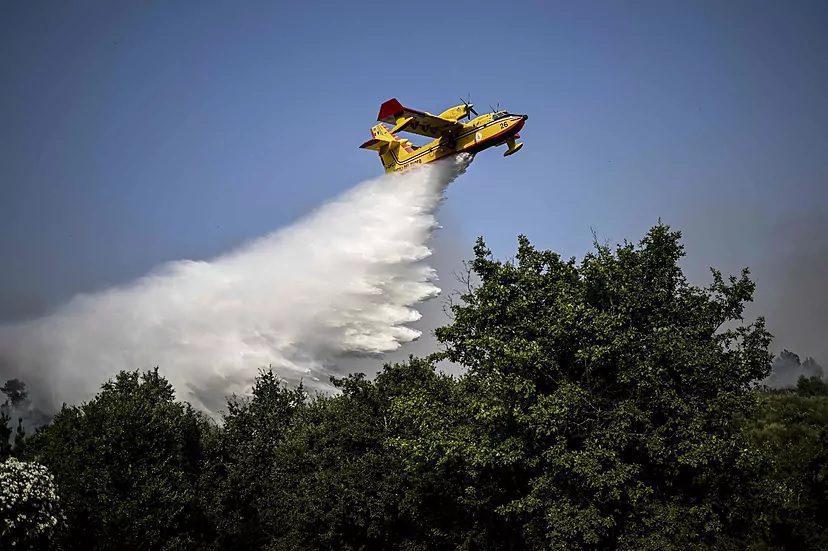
x,y
456,113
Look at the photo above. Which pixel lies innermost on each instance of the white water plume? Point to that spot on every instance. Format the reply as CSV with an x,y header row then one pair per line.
x,y
343,280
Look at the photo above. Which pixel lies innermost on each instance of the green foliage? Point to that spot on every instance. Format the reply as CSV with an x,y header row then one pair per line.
x,y
811,386
299,474
20,438
239,479
127,465
336,491
602,402
16,396
792,426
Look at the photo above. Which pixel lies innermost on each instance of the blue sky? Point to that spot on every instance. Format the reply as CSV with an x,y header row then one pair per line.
x,y
135,134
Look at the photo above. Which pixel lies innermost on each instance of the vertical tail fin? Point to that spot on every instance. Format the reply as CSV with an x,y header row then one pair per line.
x,y
381,132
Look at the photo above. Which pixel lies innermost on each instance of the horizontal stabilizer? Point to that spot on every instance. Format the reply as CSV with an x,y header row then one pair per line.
x,y
373,143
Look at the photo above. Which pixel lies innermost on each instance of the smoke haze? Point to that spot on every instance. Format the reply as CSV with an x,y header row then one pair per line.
x,y
341,282
788,368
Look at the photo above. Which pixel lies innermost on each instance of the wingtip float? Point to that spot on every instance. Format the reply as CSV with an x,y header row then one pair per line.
x,y
451,136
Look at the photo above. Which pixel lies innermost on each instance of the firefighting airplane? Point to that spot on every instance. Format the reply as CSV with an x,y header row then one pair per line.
x,y
450,135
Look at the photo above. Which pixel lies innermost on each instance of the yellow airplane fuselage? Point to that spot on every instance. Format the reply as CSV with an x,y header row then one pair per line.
x,y
449,135
476,135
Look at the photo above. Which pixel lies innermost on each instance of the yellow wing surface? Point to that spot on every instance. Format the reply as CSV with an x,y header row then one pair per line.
x,y
406,119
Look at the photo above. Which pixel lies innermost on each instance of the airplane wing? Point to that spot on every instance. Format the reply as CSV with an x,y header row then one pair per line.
x,y
406,119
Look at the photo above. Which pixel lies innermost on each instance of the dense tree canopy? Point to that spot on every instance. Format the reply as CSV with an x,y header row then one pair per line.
x,y
792,428
604,404
601,403
127,466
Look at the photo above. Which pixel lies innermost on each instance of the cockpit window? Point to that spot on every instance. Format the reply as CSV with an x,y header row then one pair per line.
x,y
499,115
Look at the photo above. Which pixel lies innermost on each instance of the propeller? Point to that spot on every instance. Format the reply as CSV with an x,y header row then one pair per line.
x,y
469,107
